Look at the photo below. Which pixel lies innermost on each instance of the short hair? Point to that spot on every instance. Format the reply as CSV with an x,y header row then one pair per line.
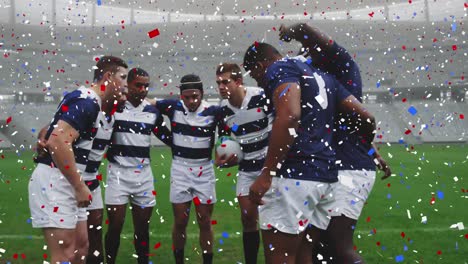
x,y
258,52
232,68
134,73
108,63
191,81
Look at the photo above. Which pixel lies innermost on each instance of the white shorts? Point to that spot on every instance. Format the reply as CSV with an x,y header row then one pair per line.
x,y
291,205
52,200
97,199
126,184
351,193
244,181
192,180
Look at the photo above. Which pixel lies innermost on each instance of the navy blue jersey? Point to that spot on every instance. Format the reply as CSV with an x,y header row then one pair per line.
x,y
348,142
193,133
81,110
311,156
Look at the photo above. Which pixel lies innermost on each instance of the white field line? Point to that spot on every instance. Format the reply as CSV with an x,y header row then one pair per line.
x,y
238,234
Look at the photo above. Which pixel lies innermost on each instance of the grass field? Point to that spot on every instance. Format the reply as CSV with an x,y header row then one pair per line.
x,y
430,181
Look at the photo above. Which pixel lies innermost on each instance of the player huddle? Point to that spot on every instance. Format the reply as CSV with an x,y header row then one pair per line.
x,y
307,167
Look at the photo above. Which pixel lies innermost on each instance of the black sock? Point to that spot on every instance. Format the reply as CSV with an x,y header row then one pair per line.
x,y
207,258
179,256
251,242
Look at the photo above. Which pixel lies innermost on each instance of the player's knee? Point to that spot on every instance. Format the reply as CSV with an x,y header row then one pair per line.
x,y
249,223
204,223
180,225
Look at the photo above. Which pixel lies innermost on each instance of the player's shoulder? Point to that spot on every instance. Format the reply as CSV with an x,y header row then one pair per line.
x,y
82,97
149,108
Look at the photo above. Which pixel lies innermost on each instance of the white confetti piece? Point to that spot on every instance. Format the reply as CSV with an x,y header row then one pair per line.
x,y
346,181
455,178
292,132
424,219
2,250
409,213
96,253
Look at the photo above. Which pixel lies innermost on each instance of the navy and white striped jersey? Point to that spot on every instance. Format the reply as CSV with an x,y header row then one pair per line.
x,y
131,139
250,125
193,133
81,109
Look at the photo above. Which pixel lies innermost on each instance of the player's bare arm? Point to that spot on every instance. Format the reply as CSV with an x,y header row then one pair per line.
x,y
287,101
382,163
359,117
59,146
310,37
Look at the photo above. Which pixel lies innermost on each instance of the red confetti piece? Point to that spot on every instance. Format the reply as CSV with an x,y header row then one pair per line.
x,y
196,201
439,252
409,1
466,5
23,256
466,236
64,108
403,100
378,243
8,120
354,247
44,256
55,209
103,87
154,193
157,245
407,132
229,174
305,13
432,201
99,177
208,201
388,185
15,256
454,47
462,116
371,14
153,33
200,173
368,219
107,221
90,197
402,235
214,222
374,230
259,110
434,40
403,47
223,145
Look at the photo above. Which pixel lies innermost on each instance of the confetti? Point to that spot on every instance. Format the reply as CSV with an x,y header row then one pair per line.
x,y
8,120
153,33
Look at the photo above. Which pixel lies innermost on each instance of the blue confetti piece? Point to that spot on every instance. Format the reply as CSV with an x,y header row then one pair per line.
x,y
405,248
33,130
284,91
99,2
225,235
389,196
377,84
440,195
371,152
28,220
399,258
412,110
234,127
298,183
309,61
221,242
454,27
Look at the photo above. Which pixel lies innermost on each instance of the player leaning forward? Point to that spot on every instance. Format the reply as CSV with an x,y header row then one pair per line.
x,y
298,176
58,195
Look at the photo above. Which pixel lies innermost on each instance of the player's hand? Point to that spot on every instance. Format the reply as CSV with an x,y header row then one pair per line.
x,y
285,33
83,195
260,187
383,166
225,162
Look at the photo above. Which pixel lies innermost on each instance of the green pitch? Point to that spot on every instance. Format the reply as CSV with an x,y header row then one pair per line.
x,y
407,218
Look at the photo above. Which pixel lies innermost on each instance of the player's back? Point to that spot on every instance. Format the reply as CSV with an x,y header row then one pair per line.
x,y
311,156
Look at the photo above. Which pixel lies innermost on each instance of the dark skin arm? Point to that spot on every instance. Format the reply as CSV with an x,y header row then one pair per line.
x,y
310,37
288,115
